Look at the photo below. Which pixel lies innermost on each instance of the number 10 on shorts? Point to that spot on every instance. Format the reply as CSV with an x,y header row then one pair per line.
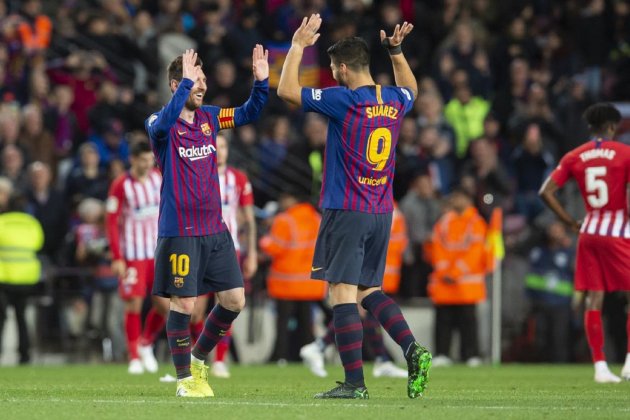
x,y
180,264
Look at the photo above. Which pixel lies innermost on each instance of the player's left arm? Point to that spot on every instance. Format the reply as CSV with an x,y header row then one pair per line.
x,y
403,75
289,88
548,194
251,109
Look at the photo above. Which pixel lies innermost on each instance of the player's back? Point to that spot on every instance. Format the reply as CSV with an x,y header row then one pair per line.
x,y
602,171
363,129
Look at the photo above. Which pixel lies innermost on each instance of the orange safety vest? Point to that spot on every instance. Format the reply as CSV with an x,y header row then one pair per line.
x,y
398,241
459,254
291,245
36,37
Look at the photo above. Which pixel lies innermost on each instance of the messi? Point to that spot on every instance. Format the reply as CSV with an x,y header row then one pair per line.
x,y
194,152
381,111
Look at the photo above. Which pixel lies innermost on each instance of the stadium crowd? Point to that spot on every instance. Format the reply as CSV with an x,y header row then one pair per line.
x,y
502,89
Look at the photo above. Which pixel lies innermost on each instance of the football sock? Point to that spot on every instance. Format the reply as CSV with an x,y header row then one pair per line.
x,y
372,332
329,338
628,331
217,325
223,346
349,338
595,334
153,325
178,334
195,330
132,330
388,314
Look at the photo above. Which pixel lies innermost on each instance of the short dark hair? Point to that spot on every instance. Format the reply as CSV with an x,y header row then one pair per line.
x,y
175,69
600,115
353,52
139,147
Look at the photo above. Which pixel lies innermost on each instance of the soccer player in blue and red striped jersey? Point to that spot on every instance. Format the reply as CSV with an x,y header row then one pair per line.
x,y
357,203
195,252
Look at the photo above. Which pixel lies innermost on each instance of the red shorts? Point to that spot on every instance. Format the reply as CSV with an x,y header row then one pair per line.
x,y
138,280
603,263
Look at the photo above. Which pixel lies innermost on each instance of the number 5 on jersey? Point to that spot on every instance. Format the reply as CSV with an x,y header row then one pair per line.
x,y
379,147
180,264
596,187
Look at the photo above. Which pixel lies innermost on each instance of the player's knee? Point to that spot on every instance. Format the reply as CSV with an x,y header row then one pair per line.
x,y
183,305
233,300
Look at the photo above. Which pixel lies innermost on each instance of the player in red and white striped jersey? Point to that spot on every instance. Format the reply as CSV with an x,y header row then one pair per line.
x,y
237,205
601,168
132,223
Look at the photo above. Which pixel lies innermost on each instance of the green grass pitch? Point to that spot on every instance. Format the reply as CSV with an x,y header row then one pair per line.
x,y
271,392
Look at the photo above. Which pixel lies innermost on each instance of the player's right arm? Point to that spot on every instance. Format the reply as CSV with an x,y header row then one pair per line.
x,y
159,124
289,88
402,72
113,207
548,193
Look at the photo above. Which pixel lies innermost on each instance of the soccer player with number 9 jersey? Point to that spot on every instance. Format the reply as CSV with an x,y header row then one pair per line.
x,y
357,203
601,168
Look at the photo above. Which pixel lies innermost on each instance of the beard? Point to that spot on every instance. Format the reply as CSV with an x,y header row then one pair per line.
x,y
191,102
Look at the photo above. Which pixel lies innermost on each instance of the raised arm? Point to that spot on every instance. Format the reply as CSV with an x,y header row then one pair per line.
x,y
548,194
251,109
289,88
159,124
402,72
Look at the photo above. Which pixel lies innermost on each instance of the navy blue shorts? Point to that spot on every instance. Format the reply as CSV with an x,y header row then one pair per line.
x,y
196,265
351,247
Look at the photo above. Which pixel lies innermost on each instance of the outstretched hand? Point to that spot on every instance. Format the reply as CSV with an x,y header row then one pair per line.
x,y
189,69
306,35
400,32
260,62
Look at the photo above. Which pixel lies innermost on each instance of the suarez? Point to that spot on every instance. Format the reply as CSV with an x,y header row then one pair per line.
x,y
357,203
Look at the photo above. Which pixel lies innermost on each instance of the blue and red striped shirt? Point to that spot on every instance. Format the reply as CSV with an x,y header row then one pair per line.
x,y
363,132
190,203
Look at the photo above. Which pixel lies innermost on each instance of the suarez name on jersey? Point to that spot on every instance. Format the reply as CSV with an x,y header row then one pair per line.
x,y
601,169
363,131
186,155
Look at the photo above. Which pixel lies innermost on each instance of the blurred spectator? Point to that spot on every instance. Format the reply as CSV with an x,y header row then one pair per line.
x,y
436,150
49,207
242,37
549,286
571,104
21,237
88,180
111,143
210,33
13,167
35,28
408,157
531,165
226,89
62,121
457,283
36,140
512,96
516,44
485,178
465,113
272,150
421,209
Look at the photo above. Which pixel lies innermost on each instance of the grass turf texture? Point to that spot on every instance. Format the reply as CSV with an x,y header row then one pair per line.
x,y
270,392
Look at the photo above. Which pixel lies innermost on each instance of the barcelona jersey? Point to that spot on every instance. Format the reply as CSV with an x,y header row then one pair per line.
x,y
363,132
190,202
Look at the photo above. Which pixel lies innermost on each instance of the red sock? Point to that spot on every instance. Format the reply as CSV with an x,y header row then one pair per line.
x,y
223,346
153,325
195,331
132,328
595,334
628,331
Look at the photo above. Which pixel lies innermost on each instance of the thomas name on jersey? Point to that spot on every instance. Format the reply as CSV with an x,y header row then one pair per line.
x,y
597,153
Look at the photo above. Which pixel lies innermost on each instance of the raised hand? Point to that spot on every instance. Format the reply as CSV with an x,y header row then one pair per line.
x,y
189,69
260,62
306,35
400,32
